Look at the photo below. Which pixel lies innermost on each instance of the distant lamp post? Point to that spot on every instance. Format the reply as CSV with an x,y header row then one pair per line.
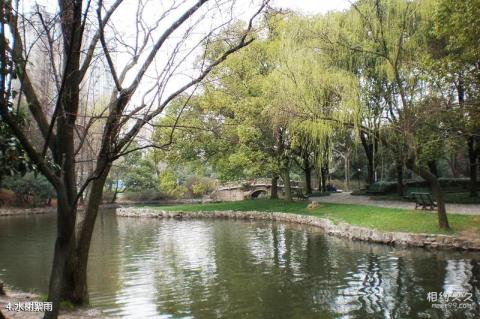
x,y
358,177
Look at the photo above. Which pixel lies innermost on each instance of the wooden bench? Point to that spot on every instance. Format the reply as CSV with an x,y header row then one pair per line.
x,y
424,200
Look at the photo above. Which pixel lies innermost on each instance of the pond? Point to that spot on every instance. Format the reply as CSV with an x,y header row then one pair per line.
x,y
144,268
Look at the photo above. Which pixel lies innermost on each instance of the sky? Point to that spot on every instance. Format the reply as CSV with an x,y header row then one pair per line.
x,y
312,6
125,16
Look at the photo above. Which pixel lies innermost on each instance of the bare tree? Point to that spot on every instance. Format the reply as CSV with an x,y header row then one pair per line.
x,y
142,87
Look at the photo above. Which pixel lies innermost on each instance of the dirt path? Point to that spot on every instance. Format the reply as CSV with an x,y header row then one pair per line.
x,y
346,198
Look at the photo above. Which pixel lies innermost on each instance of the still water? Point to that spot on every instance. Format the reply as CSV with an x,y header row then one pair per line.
x,y
144,268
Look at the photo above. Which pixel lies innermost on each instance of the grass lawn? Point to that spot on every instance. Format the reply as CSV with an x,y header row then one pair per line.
x,y
450,198
387,219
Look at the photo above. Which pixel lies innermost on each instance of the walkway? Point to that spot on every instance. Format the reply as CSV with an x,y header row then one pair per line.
x,y
346,198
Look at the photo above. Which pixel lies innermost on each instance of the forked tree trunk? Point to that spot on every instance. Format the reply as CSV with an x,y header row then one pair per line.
x,y
436,189
63,247
274,189
75,288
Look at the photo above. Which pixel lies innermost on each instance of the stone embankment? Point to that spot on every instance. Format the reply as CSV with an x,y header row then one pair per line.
x,y
340,229
16,211
26,211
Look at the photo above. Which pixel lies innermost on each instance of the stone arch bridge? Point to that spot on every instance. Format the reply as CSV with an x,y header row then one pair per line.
x,y
236,192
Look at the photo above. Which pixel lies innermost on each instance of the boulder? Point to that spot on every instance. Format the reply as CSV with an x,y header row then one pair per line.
x,y
313,205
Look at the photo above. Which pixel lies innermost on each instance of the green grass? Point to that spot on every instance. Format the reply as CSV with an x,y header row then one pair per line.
x,y
386,219
450,198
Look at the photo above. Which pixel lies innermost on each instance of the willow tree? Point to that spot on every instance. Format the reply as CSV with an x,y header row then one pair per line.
x,y
311,96
135,101
232,108
386,38
328,34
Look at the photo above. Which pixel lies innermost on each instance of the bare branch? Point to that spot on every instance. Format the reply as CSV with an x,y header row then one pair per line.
x,y
105,48
93,44
160,42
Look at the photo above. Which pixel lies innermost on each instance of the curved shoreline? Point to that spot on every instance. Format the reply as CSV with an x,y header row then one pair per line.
x,y
340,229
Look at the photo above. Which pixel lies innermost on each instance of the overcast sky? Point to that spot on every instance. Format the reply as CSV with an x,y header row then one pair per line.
x,y
312,6
124,20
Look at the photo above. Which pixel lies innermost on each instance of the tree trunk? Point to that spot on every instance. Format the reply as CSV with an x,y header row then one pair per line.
x,y
287,189
319,177
308,174
274,189
436,189
347,172
369,152
115,193
63,247
114,197
432,166
308,181
473,165
75,288
400,187
323,177
471,141
453,163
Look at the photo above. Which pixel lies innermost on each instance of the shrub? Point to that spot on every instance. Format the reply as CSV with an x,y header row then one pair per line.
x,y
31,189
144,196
199,186
382,187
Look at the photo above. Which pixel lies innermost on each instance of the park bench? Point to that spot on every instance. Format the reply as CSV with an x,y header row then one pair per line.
x,y
424,200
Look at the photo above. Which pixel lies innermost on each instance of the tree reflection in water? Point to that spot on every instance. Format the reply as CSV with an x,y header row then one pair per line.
x,y
237,269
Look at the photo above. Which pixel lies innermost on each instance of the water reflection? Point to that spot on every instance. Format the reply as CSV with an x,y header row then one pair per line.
x,y
226,269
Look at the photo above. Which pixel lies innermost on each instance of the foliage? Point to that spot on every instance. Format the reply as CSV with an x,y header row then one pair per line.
x,y
227,113
13,159
30,186
199,185
382,187
169,184
144,196
457,23
141,176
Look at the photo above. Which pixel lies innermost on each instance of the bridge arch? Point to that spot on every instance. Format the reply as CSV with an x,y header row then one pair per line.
x,y
258,192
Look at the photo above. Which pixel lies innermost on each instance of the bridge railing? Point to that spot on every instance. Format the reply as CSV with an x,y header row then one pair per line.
x,y
259,182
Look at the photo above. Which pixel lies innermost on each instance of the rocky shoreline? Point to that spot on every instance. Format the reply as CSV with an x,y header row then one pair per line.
x,y
16,211
342,230
26,211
